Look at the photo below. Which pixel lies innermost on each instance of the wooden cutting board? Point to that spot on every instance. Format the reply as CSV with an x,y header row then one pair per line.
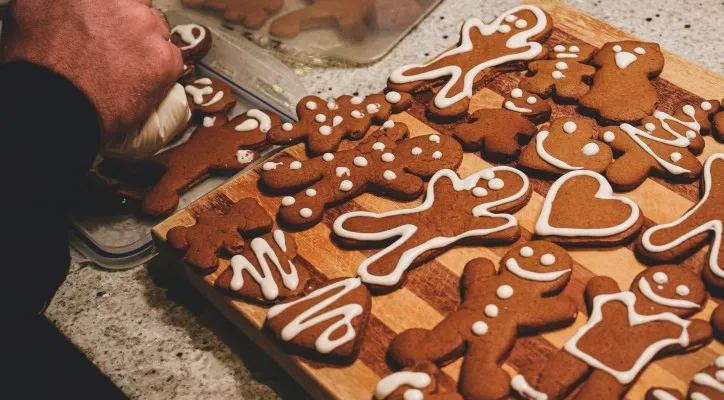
x,y
432,290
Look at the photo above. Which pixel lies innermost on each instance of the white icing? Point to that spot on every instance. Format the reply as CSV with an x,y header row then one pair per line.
x,y
661,278
617,49
516,93
312,317
590,149
574,49
413,394
512,107
379,146
682,290
675,156
325,130
570,127
186,32
332,106
405,232
516,41
328,157
698,396
287,126
480,192
504,29
504,291
526,251
557,75
434,138
706,106
559,48
264,122
320,118
650,127
510,18
487,174
373,108
645,288
521,24
389,125
288,201
305,212
496,184
543,227
342,171
709,381
268,166
634,318
520,385
346,185
280,239
566,55
480,328
209,122
531,100
295,165
263,252
244,156
389,175
197,94
639,50
491,311
203,81
310,192
624,59
393,97
248,125
561,65
714,225
547,259
311,105
360,161
388,157
547,157
437,155
390,383
356,100
663,395
416,151
512,265
356,114
609,137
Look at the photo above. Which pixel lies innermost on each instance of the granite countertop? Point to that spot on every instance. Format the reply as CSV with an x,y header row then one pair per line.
x,y
155,337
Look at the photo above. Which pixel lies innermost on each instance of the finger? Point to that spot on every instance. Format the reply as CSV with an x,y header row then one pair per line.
x,y
164,28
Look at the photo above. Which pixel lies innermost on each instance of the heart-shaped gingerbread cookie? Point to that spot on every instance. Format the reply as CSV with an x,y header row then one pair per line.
x,y
581,209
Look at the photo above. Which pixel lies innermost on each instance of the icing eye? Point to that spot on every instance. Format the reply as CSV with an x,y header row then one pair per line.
x,y
516,93
661,278
531,100
559,48
548,259
437,155
574,49
526,251
609,137
639,50
389,125
480,192
570,127
521,24
487,174
311,192
496,184
706,106
591,149
676,156
682,290
434,138
510,18
504,29
287,126
617,49
650,127
311,105
561,65
320,118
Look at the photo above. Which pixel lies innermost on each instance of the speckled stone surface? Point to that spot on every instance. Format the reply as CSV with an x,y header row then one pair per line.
x,y
155,337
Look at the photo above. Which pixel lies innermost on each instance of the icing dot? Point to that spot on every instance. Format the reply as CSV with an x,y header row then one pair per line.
x,y
416,151
346,185
682,290
496,184
510,18
244,156
557,75
393,97
325,130
617,48
559,48
609,137
287,126
690,134
487,174
706,106
570,127
639,50
661,278
480,192
356,114
413,394
328,157
378,146
689,110
268,166
373,108
311,105
561,65
389,125
504,291
342,171
332,105
574,49
491,310
650,127
360,161
434,138
389,175
288,201
526,251
356,100
388,157
504,28
521,24
480,328
720,376
720,362
310,192
295,165
531,100
516,93
337,120
320,118
548,259
209,122
590,149
676,156
305,212
437,155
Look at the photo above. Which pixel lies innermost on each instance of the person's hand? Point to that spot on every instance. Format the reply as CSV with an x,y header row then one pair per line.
x,y
116,51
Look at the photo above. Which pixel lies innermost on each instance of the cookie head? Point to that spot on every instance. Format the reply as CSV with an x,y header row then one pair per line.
x,y
521,20
631,56
572,51
541,262
529,104
429,154
668,288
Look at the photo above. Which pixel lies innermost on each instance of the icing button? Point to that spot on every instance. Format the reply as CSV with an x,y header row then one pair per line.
x,y
491,310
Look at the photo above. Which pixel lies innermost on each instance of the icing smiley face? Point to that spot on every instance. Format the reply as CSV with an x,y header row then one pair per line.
x,y
542,262
532,106
579,52
668,288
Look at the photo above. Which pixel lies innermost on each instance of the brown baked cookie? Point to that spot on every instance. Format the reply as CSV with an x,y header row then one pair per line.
x,y
706,385
193,40
264,271
508,43
348,16
323,125
661,393
718,126
564,75
424,380
581,209
703,114
455,211
250,13
215,233
625,331
216,145
209,95
702,224
566,145
385,163
498,132
717,322
529,105
661,146
328,323
524,295
622,89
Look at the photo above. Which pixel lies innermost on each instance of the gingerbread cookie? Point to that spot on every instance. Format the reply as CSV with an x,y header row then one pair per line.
x,y
529,105
566,145
622,89
507,43
718,128
424,380
649,321
499,132
564,75
215,232
704,114
470,210
706,385
581,209
348,16
661,146
524,295
217,145
659,393
329,322
250,13
385,163
700,225
717,322
209,95
193,40
323,125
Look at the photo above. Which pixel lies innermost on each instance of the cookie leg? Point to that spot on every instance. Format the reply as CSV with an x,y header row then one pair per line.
x,y
601,386
481,376
561,374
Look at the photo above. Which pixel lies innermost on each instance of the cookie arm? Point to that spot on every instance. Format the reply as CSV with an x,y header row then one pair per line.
x,y
558,311
599,285
476,271
700,333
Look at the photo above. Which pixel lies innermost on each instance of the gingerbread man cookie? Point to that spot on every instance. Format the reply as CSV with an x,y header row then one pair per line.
x,y
567,145
663,146
328,323
706,385
209,95
622,89
529,105
581,209
470,210
524,294
704,114
625,331
678,239
717,322
386,162
217,145
250,13
564,75
193,40
323,125
509,42
214,232
348,16
499,132
424,380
